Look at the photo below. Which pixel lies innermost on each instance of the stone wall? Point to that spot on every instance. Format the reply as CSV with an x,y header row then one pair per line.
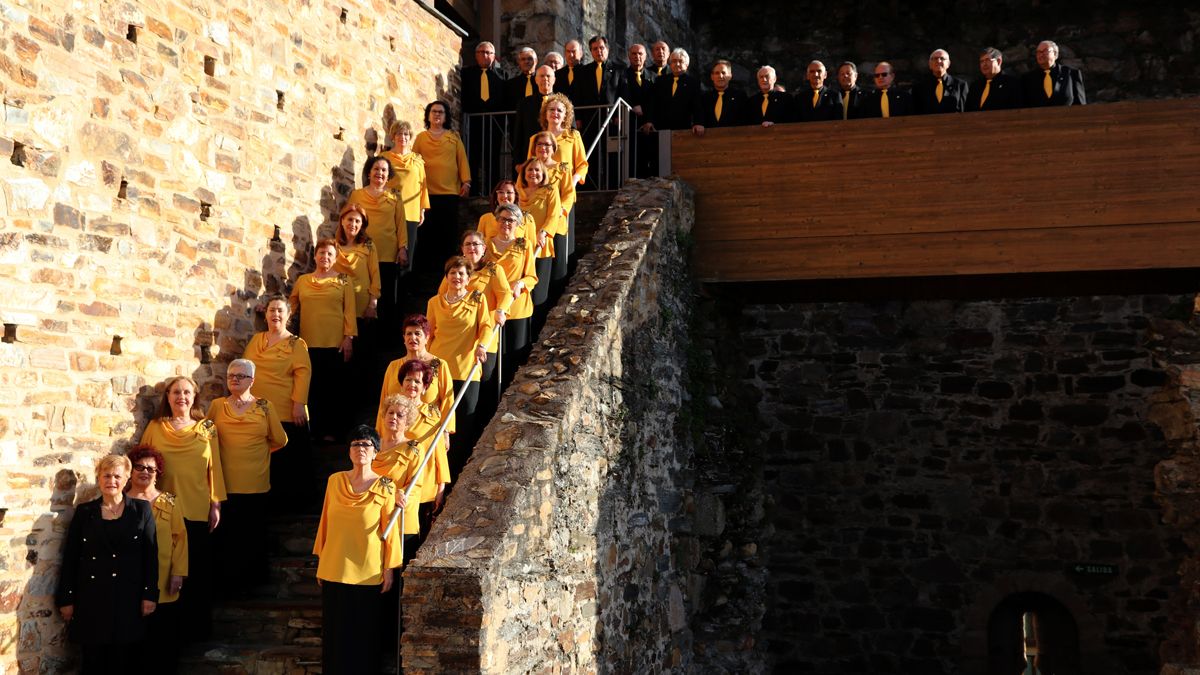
x,y
1126,51
924,460
557,550
150,150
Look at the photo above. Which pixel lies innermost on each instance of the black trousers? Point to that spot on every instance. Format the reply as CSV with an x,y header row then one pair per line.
x,y
160,651
240,548
324,392
439,234
558,271
542,267
107,659
294,486
350,629
196,598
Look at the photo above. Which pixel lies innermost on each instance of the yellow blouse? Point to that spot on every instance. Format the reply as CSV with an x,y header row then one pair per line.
x,y
440,391
457,330
172,543
492,282
545,206
193,472
348,542
489,227
247,441
446,167
399,463
326,309
408,182
385,222
518,265
360,262
282,371
437,469
571,155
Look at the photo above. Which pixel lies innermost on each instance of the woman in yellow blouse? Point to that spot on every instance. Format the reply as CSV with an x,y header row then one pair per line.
x,y
399,459
358,260
422,426
558,117
325,300
282,371
439,391
384,226
514,255
492,282
161,648
544,149
505,192
355,566
249,430
408,180
198,483
540,199
448,176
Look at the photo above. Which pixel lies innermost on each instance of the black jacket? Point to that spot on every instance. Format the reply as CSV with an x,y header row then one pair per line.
x,y
675,111
1067,87
924,94
899,103
829,105
733,108
1004,94
779,108
471,86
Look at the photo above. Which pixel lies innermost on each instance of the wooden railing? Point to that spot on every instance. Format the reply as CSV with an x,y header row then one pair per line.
x,y
1100,187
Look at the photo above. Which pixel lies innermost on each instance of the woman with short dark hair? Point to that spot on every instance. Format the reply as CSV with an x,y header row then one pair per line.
x,y
448,177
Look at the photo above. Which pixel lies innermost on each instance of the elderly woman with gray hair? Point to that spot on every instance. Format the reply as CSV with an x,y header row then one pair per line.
x,y
516,256
249,430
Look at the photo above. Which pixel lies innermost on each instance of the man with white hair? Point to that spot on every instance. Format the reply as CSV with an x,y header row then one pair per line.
x,y
1052,83
522,84
676,96
767,107
939,91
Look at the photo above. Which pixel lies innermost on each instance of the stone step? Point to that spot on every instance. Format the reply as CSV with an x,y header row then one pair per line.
x,y
292,535
288,578
292,622
251,659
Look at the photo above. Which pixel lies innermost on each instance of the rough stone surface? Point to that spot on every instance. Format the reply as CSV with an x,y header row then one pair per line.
x,y
924,460
118,143
555,551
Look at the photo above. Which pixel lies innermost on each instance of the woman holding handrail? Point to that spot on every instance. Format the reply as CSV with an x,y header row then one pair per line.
x,y
489,279
422,423
558,117
515,256
439,390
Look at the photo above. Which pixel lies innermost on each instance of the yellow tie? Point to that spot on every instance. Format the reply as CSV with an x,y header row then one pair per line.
x,y
674,86
599,76
816,97
639,77
845,105
528,85
1048,85
484,92
717,110
883,104
940,90
766,101
987,88
570,74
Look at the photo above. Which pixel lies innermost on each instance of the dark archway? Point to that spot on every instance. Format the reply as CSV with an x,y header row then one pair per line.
x,y
1032,628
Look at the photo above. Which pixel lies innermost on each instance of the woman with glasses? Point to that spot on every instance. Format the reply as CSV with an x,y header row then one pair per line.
x,y
108,582
355,564
249,430
198,483
558,118
448,176
514,254
160,653
505,192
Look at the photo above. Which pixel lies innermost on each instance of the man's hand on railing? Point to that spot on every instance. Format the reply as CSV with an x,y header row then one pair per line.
x,y
637,110
698,130
648,128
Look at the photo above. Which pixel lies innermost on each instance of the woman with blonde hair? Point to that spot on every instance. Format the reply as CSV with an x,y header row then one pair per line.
x,y
558,118
540,199
408,182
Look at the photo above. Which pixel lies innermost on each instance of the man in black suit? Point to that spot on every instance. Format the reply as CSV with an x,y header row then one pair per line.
x,y
994,90
778,107
721,106
528,113
816,102
1051,83
597,84
939,91
637,86
887,100
661,52
522,84
853,95
483,92
675,96
564,78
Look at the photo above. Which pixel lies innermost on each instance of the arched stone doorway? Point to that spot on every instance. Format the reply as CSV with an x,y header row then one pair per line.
x,y
1034,634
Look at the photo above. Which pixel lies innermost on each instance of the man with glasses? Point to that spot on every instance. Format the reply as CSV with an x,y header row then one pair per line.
x,y
887,100
1051,83
637,86
993,90
482,92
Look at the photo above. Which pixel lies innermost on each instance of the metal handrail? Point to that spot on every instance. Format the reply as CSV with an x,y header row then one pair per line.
x,y
608,118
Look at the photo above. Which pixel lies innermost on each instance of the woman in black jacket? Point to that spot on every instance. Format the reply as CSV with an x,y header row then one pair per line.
x,y
109,575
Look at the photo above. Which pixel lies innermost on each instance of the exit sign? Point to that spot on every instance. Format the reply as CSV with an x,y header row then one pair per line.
x,y
1093,570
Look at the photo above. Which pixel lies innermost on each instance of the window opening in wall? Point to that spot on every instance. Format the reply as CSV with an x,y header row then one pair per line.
x,y
345,15
279,100
210,66
1032,634
205,210
131,33
391,43
123,190
18,154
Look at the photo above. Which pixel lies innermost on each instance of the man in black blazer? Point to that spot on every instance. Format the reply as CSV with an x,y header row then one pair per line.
x,y
1051,83
661,53
816,102
637,86
994,90
564,78
887,100
939,91
597,84
528,122
853,95
721,106
483,92
676,96
778,105
521,85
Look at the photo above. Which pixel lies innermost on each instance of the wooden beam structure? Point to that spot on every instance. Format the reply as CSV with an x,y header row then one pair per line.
x,y
1099,187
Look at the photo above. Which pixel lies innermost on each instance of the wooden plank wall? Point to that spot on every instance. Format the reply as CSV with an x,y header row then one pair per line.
x,y
1099,187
